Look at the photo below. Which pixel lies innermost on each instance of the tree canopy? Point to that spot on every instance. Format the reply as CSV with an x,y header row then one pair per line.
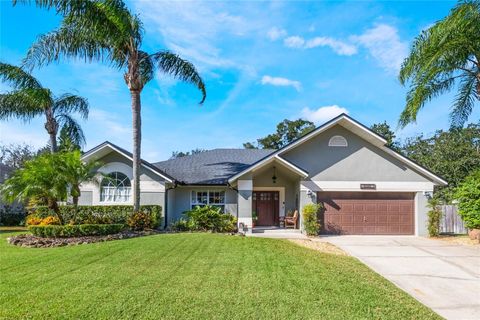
x,y
287,131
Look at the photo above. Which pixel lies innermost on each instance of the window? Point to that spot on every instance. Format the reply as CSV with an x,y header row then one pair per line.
x,y
116,187
337,141
212,198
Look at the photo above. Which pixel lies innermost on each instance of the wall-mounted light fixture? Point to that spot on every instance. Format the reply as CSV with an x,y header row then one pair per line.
x,y
274,177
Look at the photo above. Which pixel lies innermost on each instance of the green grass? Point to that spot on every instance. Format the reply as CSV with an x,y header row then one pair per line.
x,y
194,276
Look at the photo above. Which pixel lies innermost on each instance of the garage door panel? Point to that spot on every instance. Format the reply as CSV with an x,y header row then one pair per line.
x,y
367,212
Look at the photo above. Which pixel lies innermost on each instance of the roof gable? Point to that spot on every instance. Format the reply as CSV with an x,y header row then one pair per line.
x,y
106,147
356,128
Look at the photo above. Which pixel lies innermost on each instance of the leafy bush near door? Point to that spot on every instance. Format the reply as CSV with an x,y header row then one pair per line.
x,y
206,218
434,217
310,219
468,196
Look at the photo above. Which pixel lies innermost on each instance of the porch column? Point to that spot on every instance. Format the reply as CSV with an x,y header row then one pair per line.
x,y
307,196
245,189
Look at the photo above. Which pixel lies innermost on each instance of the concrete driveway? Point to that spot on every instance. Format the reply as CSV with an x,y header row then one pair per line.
x,y
441,275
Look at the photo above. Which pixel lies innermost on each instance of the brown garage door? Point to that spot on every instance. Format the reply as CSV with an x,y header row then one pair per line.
x,y
367,212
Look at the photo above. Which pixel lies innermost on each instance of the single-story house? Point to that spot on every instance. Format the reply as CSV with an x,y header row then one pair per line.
x,y
365,187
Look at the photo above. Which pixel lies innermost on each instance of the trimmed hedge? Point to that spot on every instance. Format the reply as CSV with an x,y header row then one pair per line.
x,y
99,214
67,231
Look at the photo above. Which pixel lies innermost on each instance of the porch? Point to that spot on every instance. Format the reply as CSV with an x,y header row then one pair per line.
x,y
277,233
267,193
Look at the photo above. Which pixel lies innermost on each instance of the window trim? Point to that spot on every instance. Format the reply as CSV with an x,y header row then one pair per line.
x,y
193,203
337,141
126,188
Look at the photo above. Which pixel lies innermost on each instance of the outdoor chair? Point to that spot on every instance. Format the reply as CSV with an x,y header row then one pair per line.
x,y
292,221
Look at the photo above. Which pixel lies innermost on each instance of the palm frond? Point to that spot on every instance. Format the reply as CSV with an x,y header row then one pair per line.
x,y
68,42
70,103
420,94
71,128
443,53
17,77
179,68
464,101
24,104
146,67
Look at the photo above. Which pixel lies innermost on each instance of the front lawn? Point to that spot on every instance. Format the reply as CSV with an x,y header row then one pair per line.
x,y
195,276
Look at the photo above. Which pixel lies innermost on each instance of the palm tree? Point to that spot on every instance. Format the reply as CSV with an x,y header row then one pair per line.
x,y
75,172
29,99
38,179
444,57
106,30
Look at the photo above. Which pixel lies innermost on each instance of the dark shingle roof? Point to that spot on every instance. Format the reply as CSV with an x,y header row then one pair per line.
x,y
211,167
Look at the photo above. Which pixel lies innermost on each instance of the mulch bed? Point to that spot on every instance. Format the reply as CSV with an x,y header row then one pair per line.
x,y
30,241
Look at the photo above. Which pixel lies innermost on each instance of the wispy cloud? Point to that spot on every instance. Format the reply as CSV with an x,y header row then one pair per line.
x,y
339,47
276,33
281,82
384,44
322,114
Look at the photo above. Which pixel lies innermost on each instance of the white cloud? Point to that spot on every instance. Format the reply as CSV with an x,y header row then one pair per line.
x,y
294,42
339,47
281,82
276,33
384,44
322,114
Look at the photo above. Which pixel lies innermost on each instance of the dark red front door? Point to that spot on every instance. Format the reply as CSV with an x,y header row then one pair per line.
x,y
265,204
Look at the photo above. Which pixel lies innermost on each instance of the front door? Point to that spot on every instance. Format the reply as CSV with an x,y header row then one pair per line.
x,y
265,204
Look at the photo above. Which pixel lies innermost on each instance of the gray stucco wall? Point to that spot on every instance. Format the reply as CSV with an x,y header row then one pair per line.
x,y
145,175
86,198
149,198
421,210
180,200
359,161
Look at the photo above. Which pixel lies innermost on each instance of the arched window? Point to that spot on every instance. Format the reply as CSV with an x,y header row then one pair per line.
x,y
337,141
116,187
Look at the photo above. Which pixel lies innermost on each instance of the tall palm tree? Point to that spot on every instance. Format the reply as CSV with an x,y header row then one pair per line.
x,y
444,57
29,99
106,30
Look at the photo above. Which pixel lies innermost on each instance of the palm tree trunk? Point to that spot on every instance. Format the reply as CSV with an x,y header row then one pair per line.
x,y
52,127
137,139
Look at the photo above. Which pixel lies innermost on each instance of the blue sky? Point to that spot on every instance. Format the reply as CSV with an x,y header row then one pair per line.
x,y
262,62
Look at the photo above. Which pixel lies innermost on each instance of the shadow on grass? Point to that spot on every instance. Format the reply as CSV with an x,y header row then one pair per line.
x,y
12,229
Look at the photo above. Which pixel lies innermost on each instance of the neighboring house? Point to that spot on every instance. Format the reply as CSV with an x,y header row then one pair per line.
x,y
365,187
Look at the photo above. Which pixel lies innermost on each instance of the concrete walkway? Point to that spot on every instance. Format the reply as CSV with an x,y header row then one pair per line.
x,y
441,275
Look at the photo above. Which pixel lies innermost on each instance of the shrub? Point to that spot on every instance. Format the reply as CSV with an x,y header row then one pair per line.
x,y
12,215
434,217
50,221
33,220
66,231
207,218
310,219
181,225
468,196
99,214
140,221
